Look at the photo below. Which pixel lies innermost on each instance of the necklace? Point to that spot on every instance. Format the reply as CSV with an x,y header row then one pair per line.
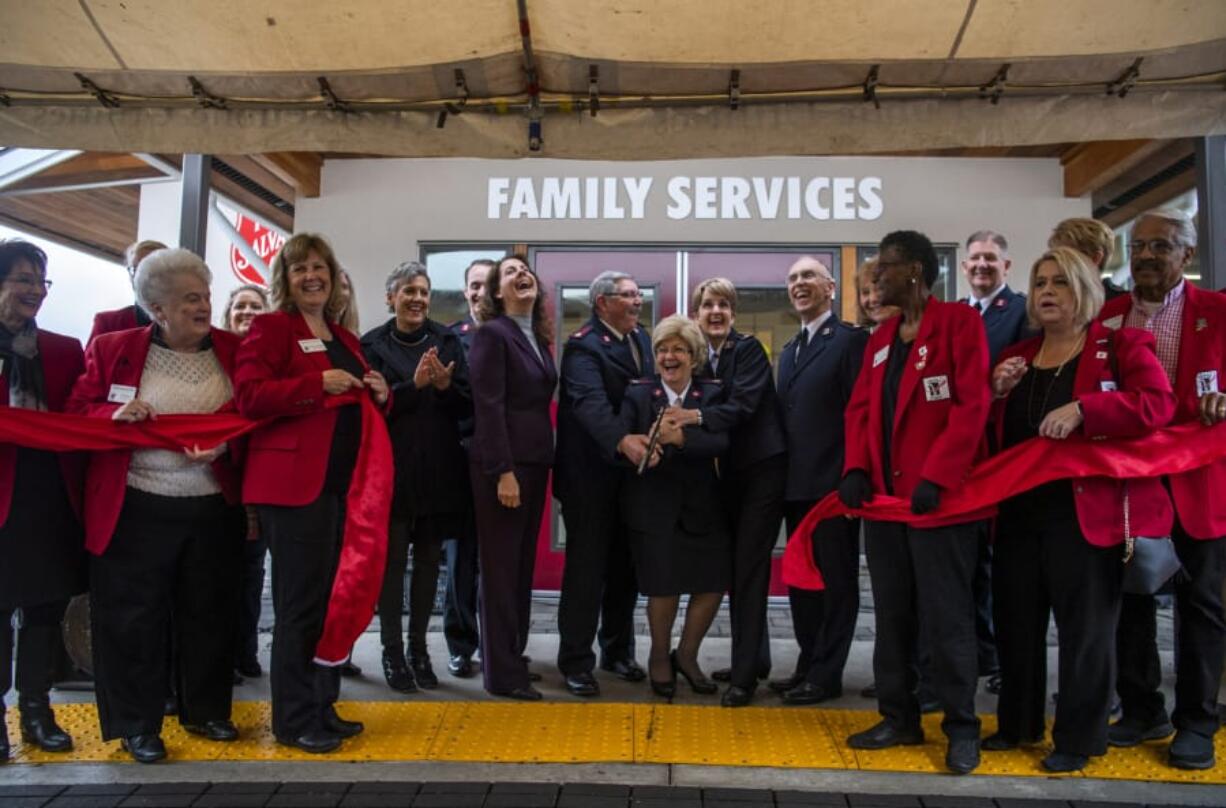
x,y
1031,418
410,343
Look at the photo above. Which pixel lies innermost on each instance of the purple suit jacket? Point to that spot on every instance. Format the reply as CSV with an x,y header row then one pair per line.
x,y
512,390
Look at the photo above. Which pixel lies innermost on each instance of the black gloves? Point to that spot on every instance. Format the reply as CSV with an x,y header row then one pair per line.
x,y
926,497
856,489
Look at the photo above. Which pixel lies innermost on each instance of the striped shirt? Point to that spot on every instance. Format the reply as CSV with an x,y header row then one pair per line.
x,y
1165,321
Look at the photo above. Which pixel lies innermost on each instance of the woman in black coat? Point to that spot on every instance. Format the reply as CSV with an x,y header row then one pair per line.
x,y
513,379
424,364
41,544
679,534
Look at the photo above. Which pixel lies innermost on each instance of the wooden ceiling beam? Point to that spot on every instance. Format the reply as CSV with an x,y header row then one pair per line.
x,y
299,169
1090,166
89,168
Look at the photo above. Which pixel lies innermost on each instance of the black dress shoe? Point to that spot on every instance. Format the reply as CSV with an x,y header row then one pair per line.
x,y
220,730
526,693
1065,762
582,684
999,742
721,675
396,672
423,672
698,683
786,684
349,670
736,697
249,668
626,669
1130,732
808,693
885,735
460,666
1191,750
336,725
962,756
316,742
145,748
993,684
39,728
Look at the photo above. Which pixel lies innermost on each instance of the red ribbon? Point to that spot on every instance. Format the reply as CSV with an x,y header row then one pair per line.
x,y
359,573
1018,469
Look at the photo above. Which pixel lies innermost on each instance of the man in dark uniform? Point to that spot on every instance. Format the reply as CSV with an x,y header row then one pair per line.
x,y
598,584
817,371
129,316
460,554
1004,318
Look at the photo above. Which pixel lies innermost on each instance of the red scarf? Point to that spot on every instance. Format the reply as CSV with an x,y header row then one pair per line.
x,y
1030,464
359,573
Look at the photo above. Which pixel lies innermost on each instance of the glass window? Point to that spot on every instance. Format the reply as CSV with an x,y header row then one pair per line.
x,y
446,267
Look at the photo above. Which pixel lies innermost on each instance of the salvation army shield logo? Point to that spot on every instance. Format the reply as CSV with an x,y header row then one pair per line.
x,y
263,240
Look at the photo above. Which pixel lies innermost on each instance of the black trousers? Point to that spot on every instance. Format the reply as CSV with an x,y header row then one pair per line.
x,y
1043,566
985,635
922,587
306,544
460,609
507,541
824,622
179,555
38,645
598,583
247,643
423,585
756,497
1200,641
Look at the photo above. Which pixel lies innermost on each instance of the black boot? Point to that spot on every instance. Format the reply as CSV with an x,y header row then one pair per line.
x,y
38,724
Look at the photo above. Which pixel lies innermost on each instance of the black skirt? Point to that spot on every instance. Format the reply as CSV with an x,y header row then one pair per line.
x,y
680,562
42,547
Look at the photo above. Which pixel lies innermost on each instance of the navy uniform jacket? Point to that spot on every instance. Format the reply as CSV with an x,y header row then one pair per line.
x,y
1005,322
596,368
749,406
813,396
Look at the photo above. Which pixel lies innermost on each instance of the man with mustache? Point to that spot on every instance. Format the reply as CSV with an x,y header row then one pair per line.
x,y
1189,326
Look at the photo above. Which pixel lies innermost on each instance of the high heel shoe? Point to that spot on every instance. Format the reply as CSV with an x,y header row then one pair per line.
x,y
699,684
668,688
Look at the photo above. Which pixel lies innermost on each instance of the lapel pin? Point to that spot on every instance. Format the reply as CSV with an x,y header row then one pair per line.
x,y
605,337
1201,324
1000,301
920,365
826,331
923,351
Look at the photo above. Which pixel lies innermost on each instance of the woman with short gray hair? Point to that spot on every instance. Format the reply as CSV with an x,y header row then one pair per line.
x,y
163,527
424,363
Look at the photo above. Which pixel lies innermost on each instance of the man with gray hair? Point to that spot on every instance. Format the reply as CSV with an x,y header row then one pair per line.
x,y
1189,328
598,584
129,316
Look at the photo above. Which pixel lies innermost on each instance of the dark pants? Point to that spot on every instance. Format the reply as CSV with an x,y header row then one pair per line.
x,y
460,611
306,544
1044,566
247,643
1200,641
177,555
922,587
985,637
507,541
423,585
38,645
756,497
598,582
824,622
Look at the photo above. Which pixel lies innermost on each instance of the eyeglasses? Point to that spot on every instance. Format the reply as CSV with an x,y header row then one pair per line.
x,y
626,295
1157,246
30,281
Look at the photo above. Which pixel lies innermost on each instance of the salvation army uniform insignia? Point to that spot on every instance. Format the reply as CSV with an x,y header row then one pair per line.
x,y
582,332
923,355
605,338
465,328
1000,303
826,331
936,388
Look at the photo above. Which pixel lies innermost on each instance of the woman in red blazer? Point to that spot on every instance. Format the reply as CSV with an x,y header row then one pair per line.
x,y
297,474
915,424
163,528
1058,546
41,563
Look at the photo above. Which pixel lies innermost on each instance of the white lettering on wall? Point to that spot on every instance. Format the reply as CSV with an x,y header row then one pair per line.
x,y
716,198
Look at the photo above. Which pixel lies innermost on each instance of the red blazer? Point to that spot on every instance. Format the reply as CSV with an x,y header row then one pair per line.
x,y
106,322
119,358
1202,349
62,364
1143,402
942,413
288,458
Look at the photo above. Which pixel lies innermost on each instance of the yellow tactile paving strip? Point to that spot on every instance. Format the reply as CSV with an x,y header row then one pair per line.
x,y
603,733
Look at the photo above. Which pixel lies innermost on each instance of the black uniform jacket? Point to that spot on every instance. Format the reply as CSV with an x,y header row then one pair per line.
x,y
749,406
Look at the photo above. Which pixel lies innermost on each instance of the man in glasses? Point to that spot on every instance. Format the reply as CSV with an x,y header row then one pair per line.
x,y
598,583
1189,327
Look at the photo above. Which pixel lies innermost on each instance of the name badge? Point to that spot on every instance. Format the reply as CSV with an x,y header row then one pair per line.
x,y
1206,382
312,345
881,356
936,388
1108,386
121,393
1114,323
